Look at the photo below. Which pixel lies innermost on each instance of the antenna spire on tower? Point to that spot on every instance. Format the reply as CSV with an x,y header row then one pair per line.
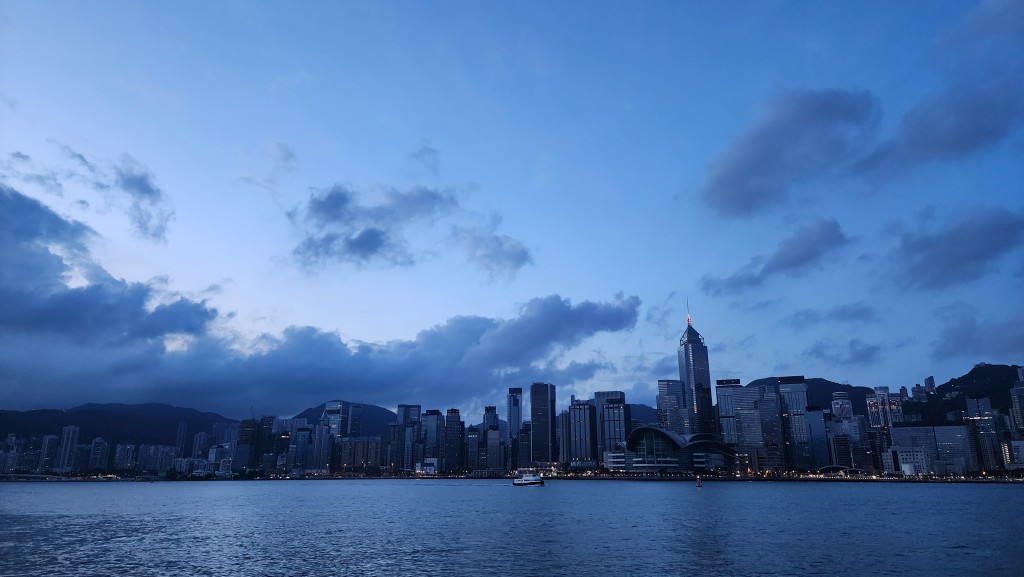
x,y
689,319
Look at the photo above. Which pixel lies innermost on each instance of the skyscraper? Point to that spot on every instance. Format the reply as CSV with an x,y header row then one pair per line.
x,y
453,432
696,378
514,419
600,399
542,415
671,403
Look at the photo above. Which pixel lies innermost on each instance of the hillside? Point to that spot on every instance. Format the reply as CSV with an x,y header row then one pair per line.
x,y
150,423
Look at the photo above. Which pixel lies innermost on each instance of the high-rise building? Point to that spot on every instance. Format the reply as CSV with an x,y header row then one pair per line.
x,y
67,448
432,425
615,423
472,448
695,374
179,444
579,436
48,452
542,416
514,421
793,393
600,398
453,433
671,404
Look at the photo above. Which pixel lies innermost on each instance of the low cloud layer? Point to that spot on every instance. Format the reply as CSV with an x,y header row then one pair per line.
x,y
101,339
797,254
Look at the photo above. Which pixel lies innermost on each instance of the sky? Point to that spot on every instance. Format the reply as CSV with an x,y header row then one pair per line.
x,y
256,207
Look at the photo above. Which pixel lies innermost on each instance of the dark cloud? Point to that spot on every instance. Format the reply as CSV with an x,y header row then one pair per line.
x,y
105,341
858,312
968,117
501,256
429,158
148,211
830,138
799,136
807,248
965,335
340,228
965,249
854,352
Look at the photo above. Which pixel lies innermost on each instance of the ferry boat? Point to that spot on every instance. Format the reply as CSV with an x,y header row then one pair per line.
x,y
527,479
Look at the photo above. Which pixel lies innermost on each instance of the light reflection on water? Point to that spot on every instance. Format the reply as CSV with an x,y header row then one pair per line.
x,y
456,527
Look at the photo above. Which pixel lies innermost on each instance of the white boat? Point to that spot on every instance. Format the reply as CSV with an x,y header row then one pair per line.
x,y
527,479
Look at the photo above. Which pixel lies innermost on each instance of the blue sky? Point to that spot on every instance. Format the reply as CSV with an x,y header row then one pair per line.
x,y
232,205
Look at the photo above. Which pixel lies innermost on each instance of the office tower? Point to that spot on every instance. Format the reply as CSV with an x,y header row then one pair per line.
x,y
525,448
66,451
579,436
495,460
432,432
408,414
514,421
472,448
842,408
981,425
793,393
727,390
671,403
544,447
343,418
615,424
695,374
490,418
772,454
600,399
453,432
929,384
320,454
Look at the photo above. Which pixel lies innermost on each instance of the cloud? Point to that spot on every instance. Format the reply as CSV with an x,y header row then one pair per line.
x,y
965,335
279,160
831,138
148,211
965,249
858,312
806,249
969,116
501,256
800,135
339,228
106,340
854,352
429,158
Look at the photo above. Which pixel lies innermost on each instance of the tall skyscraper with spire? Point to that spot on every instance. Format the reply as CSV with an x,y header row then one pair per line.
x,y
696,378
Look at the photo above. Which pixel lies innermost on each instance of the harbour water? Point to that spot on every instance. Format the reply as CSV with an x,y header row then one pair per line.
x,y
488,527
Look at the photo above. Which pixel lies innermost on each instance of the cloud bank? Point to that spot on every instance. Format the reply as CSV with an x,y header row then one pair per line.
x,y
100,339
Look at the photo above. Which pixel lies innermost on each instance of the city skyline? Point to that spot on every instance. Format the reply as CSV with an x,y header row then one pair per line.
x,y
240,207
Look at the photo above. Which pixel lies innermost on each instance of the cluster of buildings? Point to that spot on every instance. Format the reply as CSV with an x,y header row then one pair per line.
x,y
765,430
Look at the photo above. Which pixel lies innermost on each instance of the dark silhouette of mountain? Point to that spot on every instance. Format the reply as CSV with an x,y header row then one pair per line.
x,y
819,392
984,380
373,420
643,414
149,423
